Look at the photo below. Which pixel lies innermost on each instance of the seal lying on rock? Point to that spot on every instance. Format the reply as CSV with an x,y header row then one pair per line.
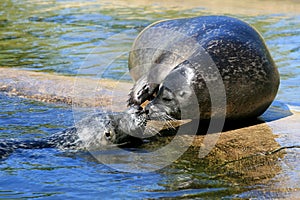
x,y
210,59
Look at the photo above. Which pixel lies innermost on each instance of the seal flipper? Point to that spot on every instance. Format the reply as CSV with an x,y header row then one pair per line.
x,y
142,91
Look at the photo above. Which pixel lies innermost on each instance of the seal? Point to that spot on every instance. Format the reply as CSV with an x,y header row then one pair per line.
x,y
169,62
100,131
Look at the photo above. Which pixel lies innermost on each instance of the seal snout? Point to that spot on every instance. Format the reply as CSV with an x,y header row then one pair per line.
x,y
152,111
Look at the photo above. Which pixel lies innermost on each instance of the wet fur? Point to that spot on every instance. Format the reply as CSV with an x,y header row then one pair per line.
x,y
95,132
248,72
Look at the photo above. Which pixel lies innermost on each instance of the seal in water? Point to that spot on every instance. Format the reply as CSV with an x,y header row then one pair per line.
x,y
168,63
96,132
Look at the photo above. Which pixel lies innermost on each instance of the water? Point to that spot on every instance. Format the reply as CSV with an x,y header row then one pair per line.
x,y
58,36
51,173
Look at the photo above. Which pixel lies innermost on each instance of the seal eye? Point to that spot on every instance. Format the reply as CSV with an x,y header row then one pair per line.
x,y
166,94
166,99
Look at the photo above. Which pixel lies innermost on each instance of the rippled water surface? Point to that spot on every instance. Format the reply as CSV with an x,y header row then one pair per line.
x,y
92,38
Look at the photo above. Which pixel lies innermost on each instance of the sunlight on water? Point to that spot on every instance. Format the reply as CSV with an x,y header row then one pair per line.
x,y
58,36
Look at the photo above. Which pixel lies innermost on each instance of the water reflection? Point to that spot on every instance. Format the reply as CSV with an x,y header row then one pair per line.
x,y
57,36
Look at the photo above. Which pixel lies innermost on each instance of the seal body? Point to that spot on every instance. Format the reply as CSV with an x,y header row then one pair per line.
x,y
174,61
95,132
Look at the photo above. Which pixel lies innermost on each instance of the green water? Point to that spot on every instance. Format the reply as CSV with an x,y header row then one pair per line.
x,y
76,38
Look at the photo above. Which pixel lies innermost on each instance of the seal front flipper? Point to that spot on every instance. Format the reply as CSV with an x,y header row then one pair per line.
x,y
142,91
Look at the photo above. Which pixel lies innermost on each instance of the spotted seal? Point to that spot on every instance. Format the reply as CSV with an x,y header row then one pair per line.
x,y
168,66
169,61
